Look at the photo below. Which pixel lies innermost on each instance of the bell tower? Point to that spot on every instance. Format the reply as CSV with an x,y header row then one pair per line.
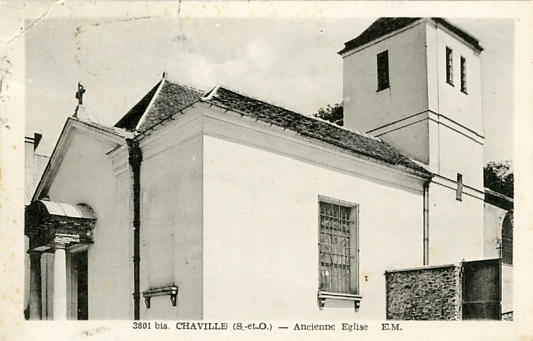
x,y
415,83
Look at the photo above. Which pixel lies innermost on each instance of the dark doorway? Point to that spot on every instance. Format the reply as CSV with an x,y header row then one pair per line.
x,y
81,260
482,290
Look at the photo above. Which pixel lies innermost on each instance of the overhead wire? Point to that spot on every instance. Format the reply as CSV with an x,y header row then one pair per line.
x,y
60,70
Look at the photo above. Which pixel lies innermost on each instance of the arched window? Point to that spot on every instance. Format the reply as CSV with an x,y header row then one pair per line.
x,y
507,238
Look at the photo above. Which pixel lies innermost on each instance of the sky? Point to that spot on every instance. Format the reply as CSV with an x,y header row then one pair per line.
x,y
291,62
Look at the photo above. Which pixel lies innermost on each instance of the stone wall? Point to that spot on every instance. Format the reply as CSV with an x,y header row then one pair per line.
x,y
430,293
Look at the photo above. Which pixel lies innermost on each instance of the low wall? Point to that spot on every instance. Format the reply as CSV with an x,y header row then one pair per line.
x,y
430,293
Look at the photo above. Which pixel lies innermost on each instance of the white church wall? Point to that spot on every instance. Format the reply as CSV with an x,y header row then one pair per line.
x,y
124,222
418,133
456,227
86,176
462,108
366,108
459,154
261,234
459,147
507,288
493,219
171,223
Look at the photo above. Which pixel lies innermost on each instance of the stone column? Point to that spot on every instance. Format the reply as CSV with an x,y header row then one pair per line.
x,y
35,286
60,282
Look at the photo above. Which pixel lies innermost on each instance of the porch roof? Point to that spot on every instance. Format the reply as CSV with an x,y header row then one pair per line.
x,y
40,211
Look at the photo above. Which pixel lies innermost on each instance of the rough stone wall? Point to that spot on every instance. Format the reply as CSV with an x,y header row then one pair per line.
x,y
424,294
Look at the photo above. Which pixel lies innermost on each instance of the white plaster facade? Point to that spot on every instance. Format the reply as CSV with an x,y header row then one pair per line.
x,y
432,121
238,241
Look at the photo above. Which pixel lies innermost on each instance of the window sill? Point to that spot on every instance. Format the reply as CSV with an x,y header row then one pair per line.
x,y
449,83
323,295
384,88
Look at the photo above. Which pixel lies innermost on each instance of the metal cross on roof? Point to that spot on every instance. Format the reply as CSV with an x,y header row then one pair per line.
x,y
79,93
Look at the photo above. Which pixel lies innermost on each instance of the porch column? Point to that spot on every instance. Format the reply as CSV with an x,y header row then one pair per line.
x,y
60,281
35,286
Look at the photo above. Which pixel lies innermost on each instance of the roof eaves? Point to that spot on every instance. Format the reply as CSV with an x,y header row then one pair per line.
x,y
467,37
374,32
120,132
55,159
419,170
489,191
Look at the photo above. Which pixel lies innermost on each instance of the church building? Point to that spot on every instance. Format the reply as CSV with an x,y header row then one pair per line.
x,y
218,205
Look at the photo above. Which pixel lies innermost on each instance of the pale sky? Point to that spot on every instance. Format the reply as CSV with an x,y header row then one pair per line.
x,y
288,62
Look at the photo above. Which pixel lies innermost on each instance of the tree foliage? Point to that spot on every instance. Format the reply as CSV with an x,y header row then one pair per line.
x,y
333,114
499,177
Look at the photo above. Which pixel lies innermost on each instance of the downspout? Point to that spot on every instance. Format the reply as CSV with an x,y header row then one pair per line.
x,y
135,159
426,223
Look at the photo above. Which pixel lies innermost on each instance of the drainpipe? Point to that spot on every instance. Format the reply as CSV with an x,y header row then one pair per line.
x,y
426,222
135,159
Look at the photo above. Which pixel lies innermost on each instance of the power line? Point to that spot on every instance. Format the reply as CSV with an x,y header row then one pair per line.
x,y
60,70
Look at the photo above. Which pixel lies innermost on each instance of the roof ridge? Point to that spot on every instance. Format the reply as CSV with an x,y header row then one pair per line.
x,y
184,85
150,104
262,100
305,115
210,94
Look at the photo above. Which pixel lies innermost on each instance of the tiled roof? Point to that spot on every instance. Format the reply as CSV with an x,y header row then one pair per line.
x,y
384,26
314,128
171,98
132,117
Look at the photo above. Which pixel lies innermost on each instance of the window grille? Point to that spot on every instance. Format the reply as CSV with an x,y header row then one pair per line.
x,y
463,75
337,248
383,70
449,66
507,239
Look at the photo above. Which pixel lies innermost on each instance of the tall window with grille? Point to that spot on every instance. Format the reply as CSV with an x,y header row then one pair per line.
x,y
338,247
449,66
507,239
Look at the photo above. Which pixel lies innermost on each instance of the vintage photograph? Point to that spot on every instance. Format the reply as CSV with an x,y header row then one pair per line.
x,y
318,169
258,170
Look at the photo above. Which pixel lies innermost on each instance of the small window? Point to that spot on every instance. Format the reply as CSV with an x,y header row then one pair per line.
x,y
338,247
507,239
459,191
463,75
449,66
383,70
